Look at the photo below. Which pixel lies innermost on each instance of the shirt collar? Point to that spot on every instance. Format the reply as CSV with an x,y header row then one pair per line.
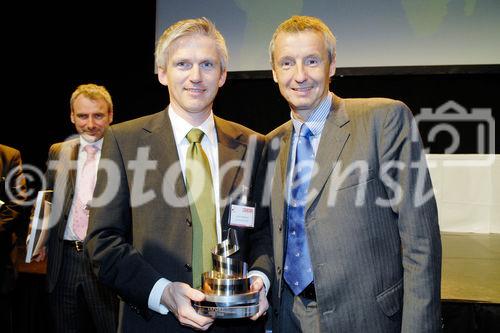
x,y
316,120
181,127
84,142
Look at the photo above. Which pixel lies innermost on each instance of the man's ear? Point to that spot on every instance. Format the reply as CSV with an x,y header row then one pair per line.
x,y
333,67
110,117
222,78
274,76
162,76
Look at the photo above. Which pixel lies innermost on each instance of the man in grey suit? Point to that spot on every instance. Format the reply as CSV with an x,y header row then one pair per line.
x,y
354,221
78,302
151,235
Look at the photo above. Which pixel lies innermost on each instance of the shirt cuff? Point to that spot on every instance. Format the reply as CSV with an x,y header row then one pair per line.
x,y
264,277
154,299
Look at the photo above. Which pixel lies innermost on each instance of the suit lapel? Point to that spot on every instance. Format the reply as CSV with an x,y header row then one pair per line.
x,y
72,171
230,150
333,138
159,138
65,182
280,174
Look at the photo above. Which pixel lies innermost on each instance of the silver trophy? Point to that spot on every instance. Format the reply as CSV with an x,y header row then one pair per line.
x,y
227,287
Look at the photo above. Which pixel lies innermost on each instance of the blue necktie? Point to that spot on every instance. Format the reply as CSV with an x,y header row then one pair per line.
x,y
298,271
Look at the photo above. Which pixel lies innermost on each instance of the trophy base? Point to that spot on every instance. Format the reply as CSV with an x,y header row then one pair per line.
x,y
228,306
225,312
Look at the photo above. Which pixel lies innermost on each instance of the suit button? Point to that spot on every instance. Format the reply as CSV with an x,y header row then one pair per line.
x,y
188,267
280,227
275,312
279,270
188,222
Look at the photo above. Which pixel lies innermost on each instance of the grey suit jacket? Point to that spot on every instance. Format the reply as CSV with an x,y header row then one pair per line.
x,y
374,243
133,243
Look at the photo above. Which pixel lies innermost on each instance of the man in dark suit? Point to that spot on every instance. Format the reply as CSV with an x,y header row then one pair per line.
x,y
354,220
150,226
12,224
78,302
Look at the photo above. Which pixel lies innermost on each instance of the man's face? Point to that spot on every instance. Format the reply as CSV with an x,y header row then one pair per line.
x,y
193,74
91,117
302,69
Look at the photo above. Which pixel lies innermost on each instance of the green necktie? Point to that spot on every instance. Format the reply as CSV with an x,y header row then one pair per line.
x,y
202,205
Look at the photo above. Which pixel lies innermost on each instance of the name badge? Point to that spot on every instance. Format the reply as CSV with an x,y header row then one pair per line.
x,y
242,216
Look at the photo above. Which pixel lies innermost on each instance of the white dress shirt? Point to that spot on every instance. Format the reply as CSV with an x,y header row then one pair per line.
x,y
315,123
209,143
82,157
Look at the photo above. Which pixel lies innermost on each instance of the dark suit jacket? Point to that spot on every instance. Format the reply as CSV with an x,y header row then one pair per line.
x,y
133,244
61,177
376,262
12,214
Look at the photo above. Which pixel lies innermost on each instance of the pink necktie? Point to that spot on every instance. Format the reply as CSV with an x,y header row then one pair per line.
x,y
85,190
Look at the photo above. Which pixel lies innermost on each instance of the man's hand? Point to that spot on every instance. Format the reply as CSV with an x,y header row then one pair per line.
x,y
177,297
40,255
258,285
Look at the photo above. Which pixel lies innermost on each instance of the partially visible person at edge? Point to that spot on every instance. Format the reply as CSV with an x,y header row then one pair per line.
x,y
13,222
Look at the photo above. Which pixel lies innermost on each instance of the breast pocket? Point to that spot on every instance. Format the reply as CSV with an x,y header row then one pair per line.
x,y
353,178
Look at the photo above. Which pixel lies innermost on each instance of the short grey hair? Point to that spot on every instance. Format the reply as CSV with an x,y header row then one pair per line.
x,y
190,27
305,23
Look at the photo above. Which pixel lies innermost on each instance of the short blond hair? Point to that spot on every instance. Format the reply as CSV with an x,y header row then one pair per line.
x,y
202,26
305,23
93,92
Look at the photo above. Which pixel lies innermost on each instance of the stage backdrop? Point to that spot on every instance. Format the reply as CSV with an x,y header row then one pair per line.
x,y
370,33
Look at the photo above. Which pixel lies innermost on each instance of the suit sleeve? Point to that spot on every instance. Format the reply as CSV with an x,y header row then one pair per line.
x,y
261,241
12,211
414,203
115,261
57,179
50,172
